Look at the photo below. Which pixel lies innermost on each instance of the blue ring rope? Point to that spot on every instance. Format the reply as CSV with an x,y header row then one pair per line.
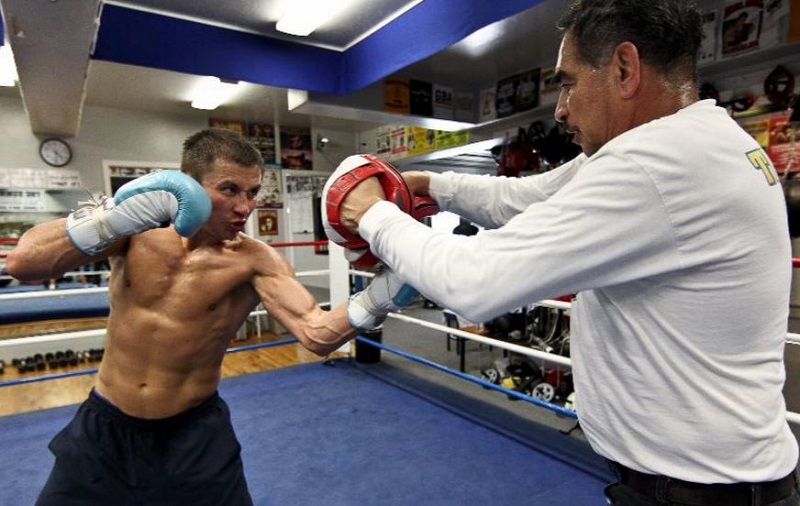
x,y
47,377
414,358
488,384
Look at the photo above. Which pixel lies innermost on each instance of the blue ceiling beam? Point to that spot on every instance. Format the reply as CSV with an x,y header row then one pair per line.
x,y
145,39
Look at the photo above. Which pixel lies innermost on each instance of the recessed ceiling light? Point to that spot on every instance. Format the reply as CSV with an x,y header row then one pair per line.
x,y
212,92
301,17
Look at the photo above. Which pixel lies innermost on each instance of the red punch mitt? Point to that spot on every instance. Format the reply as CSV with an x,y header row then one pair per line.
x,y
363,259
424,206
352,171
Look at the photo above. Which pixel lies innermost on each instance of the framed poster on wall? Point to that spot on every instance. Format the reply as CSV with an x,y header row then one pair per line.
x,y
270,196
267,222
116,173
296,152
240,127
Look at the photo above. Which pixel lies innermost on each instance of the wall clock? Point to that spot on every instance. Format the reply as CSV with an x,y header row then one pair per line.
x,y
55,152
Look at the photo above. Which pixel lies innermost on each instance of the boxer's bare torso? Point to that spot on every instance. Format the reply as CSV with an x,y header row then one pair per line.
x,y
173,313
171,319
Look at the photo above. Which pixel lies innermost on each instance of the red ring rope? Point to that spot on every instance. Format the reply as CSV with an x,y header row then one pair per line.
x,y
298,243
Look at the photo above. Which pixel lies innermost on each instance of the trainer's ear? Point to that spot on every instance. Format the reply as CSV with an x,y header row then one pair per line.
x,y
627,69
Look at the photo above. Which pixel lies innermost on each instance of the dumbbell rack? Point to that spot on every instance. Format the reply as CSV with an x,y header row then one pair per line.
x,y
59,361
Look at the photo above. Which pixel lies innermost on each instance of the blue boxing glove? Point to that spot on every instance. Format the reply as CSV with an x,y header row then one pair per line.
x,y
147,202
367,309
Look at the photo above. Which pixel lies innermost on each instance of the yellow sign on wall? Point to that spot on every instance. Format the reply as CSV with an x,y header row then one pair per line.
x,y
396,95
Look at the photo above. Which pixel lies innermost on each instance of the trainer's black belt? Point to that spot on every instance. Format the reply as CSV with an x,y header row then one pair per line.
x,y
702,494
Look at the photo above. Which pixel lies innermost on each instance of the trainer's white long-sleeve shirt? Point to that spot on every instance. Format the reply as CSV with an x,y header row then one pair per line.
x,y
674,235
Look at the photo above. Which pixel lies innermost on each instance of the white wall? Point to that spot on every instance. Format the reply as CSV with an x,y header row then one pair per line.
x,y
112,134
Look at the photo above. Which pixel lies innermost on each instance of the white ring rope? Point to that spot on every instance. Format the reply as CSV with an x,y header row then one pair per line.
x,y
69,274
791,416
523,350
52,293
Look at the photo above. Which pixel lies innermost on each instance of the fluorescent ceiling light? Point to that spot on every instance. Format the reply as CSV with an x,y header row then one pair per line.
x,y
8,71
481,41
301,17
212,92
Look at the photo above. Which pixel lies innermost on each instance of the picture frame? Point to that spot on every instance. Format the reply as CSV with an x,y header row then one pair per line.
x,y
267,222
240,127
118,172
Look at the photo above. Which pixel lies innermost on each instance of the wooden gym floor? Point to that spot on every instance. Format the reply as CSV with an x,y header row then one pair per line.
x,y
74,389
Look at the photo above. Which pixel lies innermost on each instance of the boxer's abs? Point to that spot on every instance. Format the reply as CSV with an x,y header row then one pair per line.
x,y
155,368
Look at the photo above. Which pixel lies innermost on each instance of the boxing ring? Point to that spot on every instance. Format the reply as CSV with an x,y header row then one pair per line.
x,y
345,431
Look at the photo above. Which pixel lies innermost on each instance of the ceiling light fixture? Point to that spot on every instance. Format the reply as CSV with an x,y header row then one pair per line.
x,y
481,41
8,71
212,92
301,17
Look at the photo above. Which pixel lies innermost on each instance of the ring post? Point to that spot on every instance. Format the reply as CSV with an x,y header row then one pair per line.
x,y
365,352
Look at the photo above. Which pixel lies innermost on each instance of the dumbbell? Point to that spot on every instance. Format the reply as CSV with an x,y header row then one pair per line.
x,y
38,361
23,365
2,366
71,358
30,364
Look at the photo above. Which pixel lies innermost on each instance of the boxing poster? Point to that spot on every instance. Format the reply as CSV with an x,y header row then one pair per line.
x,y
708,44
794,23
774,23
235,126
267,222
397,138
527,90
778,136
420,98
741,26
442,102
269,197
487,111
117,173
262,136
296,150
506,97
383,143
419,140
464,106
784,142
396,95
549,83
444,140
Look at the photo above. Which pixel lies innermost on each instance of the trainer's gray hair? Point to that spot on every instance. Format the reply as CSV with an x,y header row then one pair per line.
x,y
667,33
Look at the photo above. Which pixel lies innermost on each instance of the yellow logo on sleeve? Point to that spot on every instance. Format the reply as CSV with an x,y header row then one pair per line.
x,y
760,161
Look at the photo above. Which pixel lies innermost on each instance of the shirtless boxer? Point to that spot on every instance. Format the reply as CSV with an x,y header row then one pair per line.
x,y
154,430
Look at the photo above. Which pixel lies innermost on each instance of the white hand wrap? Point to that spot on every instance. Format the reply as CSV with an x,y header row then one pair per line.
x,y
386,292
